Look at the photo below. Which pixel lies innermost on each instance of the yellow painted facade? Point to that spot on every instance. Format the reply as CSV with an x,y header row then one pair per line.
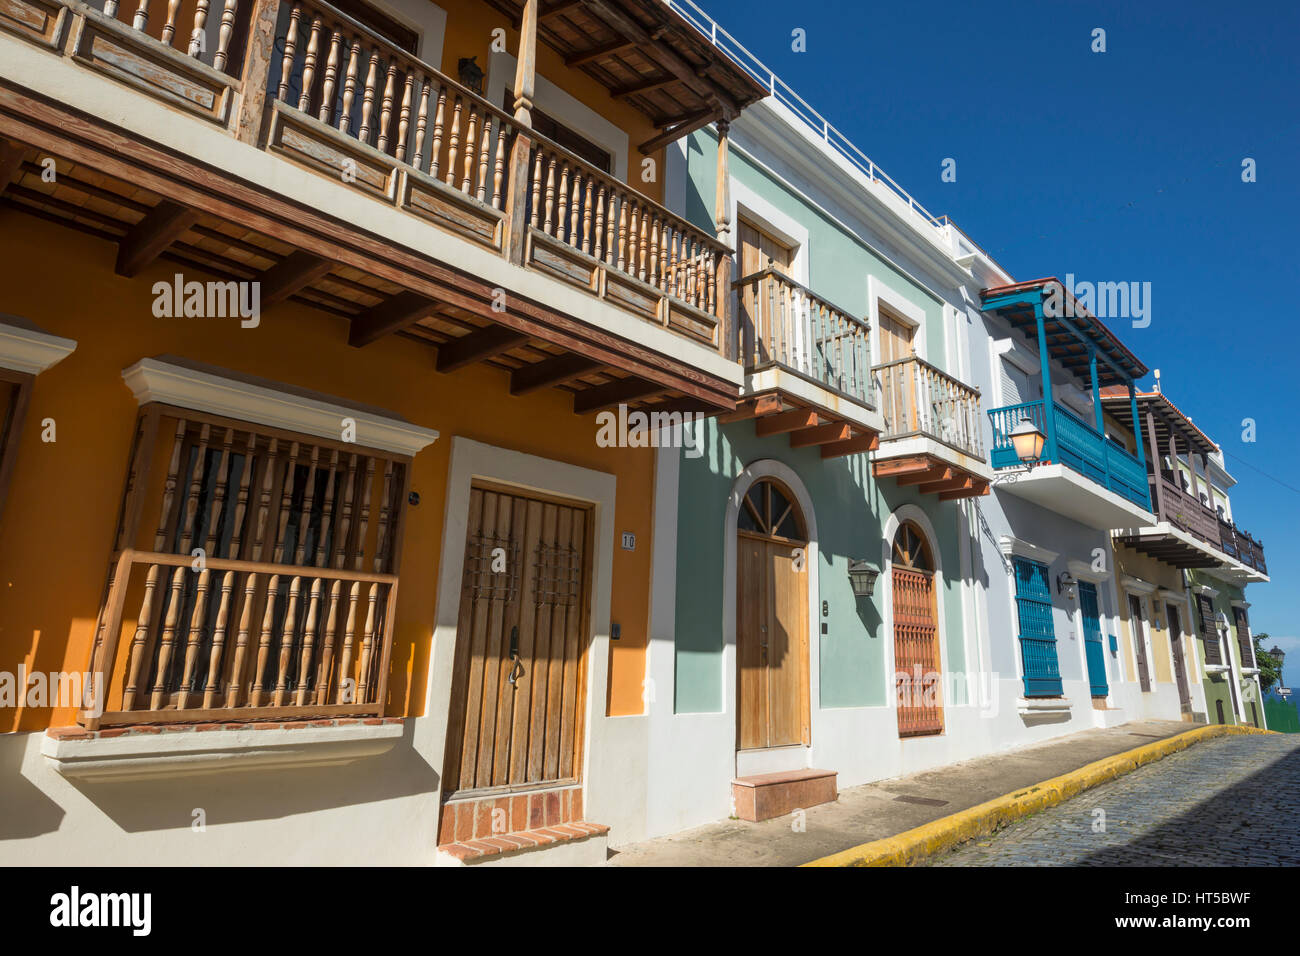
x,y
58,525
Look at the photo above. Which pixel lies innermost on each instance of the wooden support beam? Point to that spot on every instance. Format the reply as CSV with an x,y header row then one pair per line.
x,y
681,406
403,309
852,446
978,490
291,275
754,408
958,482
548,372
784,422
11,160
684,128
149,238
557,9
820,435
476,346
629,389
618,46
900,466
936,472
646,86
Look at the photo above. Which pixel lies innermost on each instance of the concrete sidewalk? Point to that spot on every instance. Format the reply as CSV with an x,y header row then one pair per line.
x,y
887,808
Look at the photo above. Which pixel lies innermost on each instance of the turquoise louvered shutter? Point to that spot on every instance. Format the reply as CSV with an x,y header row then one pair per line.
x,y
1092,639
1037,634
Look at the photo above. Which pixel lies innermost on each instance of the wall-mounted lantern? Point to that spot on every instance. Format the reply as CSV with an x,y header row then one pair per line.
x,y
471,74
862,576
1065,584
1028,440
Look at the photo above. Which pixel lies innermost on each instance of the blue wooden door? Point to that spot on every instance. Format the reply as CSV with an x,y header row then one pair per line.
x,y
1037,634
1092,639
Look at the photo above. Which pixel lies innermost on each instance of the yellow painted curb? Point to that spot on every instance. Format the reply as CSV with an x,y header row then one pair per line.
x,y
915,846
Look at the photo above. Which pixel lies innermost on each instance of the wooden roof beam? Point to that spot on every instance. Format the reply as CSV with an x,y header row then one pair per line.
x,y
851,446
820,435
11,161
649,86
784,422
754,408
684,128
391,315
623,390
587,56
291,275
557,9
549,372
477,346
149,238
937,472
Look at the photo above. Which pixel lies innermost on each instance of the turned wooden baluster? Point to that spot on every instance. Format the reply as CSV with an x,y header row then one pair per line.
x,y
471,134
327,513
224,34
169,25
363,518
309,65
218,642
219,494
288,637
350,86
327,647
200,27
484,155
290,49
611,226
331,77
453,146
404,115
421,125
499,168
264,642
598,250
145,620
641,247
264,498
241,643
343,675
141,18
439,119
241,501
651,276
367,645
575,203
195,638
586,215
368,97
196,486
537,189
662,246
622,234
386,106
345,522
385,517
308,502
562,204
633,237
710,286
168,639
308,643
547,223
110,8
674,286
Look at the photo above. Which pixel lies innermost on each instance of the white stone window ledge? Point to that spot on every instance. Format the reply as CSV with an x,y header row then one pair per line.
x,y
1043,705
186,750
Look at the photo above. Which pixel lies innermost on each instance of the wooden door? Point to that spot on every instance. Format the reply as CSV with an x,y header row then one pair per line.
x,y
763,335
1139,639
898,392
1180,664
917,664
1093,653
517,685
771,621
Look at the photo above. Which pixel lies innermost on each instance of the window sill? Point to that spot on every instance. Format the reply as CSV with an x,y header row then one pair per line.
x,y
1043,705
133,753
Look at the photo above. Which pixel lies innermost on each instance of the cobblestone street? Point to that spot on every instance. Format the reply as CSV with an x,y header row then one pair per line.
x,y
1228,801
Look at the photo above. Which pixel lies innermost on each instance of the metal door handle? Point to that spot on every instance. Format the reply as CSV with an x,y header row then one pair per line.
x,y
517,671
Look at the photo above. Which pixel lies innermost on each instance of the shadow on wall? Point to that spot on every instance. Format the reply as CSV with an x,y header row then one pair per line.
x,y
168,803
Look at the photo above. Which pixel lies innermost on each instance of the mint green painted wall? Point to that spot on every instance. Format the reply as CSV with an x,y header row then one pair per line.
x,y
850,509
838,261
1216,685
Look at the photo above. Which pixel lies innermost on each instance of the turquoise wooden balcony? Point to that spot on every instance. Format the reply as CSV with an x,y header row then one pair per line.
x,y
1078,446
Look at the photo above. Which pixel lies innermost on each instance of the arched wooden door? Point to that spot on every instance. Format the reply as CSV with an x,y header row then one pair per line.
x,y
917,665
771,619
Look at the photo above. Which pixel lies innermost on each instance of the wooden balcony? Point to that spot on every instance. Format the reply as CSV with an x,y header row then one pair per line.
x,y
448,176
932,437
807,366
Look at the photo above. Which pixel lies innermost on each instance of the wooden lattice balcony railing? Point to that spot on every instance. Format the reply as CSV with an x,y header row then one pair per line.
x,y
783,323
917,398
268,591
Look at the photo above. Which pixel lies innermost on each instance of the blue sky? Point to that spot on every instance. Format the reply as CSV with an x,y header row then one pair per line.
x,y
1115,166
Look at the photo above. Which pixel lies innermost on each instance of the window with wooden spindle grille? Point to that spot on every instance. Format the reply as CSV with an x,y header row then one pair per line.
x,y
254,574
15,390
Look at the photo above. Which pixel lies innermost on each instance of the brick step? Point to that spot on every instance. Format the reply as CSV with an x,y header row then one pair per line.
x,y
484,849
766,795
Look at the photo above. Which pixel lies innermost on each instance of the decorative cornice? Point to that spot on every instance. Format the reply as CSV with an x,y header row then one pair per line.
x,y
1138,586
27,349
153,380
1083,571
1012,546
1206,590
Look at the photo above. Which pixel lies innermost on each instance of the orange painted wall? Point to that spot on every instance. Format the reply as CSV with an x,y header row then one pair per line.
x,y
469,33
59,520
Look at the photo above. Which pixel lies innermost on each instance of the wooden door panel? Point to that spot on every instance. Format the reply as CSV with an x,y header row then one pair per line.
x,y
788,614
751,618
1139,640
526,731
917,663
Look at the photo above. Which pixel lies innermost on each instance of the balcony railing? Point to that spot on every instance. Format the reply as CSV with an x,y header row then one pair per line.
x,y
1186,513
783,324
916,398
1238,544
1078,447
